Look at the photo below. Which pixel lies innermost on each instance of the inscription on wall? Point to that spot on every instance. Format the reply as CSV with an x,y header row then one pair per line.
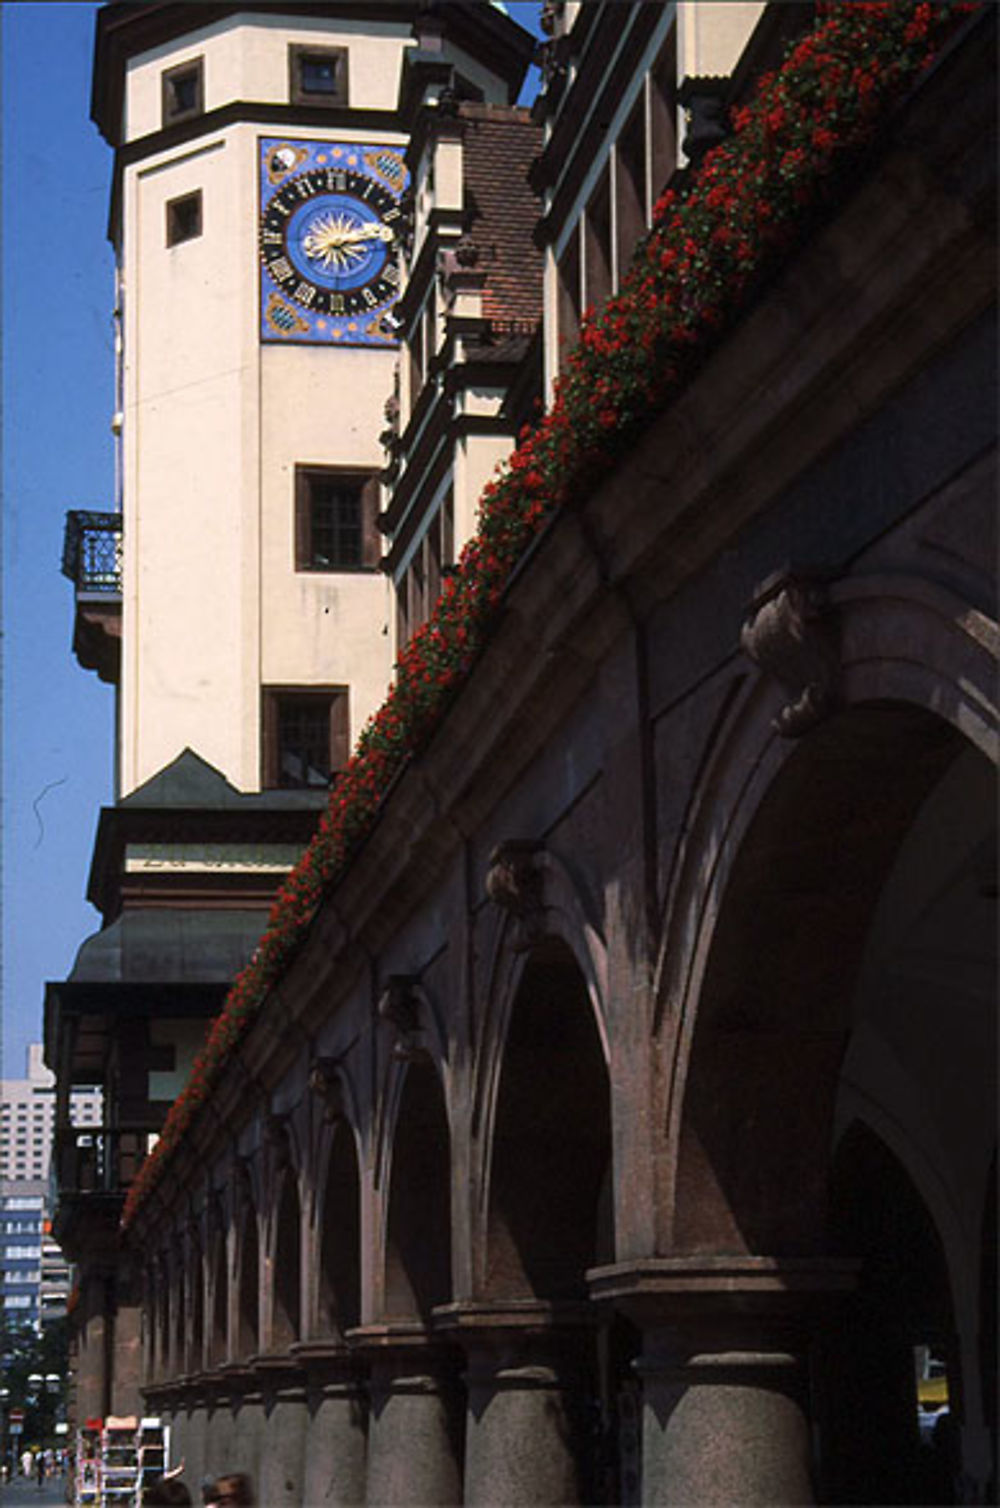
x,y
204,858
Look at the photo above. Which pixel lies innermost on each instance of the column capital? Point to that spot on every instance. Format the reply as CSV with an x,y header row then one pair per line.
x,y
656,1291
331,1367
278,1374
239,1377
403,1357
480,1319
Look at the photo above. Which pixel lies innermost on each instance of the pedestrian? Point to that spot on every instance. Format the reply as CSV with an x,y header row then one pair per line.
x,y
234,1490
166,1492
40,1468
26,1462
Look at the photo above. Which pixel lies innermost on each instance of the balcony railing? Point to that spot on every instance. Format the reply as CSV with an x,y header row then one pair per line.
x,y
92,552
98,1159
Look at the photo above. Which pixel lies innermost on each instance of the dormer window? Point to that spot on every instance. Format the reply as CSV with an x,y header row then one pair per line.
x,y
317,75
183,91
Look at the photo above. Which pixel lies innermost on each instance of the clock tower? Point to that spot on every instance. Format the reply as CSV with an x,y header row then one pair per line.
x,y
260,203
259,200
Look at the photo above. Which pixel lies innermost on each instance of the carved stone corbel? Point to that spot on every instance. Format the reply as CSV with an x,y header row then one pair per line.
x,y
278,1141
706,114
325,1082
400,1007
790,634
515,883
242,1184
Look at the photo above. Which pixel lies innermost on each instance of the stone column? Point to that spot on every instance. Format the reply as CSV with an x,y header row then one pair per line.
x,y
126,1369
724,1374
248,1423
414,1430
92,1328
195,1402
282,1461
337,1428
530,1423
219,1427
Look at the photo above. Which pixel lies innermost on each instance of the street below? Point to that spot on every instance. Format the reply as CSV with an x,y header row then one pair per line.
x,y
24,1490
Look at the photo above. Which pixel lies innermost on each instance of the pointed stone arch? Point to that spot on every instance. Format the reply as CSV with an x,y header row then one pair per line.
x,y
417,1267
763,1037
181,1315
788,1014
247,1282
285,1298
217,1343
564,914
196,1299
547,1194
338,1238
911,656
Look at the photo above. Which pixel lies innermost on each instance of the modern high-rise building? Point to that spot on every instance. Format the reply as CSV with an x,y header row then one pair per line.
x,y
34,1278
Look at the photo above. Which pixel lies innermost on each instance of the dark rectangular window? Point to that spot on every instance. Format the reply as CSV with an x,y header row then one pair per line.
x,y
419,588
183,91
305,736
402,611
568,299
317,75
336,514
663,117
598,240
184,218
630,188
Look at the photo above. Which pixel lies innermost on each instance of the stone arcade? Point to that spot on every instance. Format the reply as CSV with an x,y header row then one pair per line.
x,y
627,1123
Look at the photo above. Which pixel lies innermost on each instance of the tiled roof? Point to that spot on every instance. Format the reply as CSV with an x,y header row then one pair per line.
x,y
499,144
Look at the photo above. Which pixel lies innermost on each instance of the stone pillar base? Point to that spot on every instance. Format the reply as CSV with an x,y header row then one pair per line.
x,y
219,1429
248,1425
723,1370
282,1462
337,1431
529,1431
414,1450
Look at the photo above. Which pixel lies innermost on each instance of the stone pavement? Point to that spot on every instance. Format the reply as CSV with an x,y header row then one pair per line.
x,y
22,1491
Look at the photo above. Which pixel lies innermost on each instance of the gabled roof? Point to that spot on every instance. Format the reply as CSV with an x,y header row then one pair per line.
x,y
189,780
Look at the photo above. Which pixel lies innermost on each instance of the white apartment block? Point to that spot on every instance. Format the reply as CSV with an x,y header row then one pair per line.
x,y
27,1118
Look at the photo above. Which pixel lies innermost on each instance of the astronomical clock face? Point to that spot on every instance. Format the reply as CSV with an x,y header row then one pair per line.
x,y
329,221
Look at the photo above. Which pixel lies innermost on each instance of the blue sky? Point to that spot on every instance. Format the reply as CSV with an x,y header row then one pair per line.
x,y
58,392
58,396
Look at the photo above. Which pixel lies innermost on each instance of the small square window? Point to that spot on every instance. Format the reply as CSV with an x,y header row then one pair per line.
x,y
335,519
183,91
317,75
305,737
184,218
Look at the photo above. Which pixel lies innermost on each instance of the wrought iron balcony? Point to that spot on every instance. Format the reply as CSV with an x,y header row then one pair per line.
x,y
92,552
92,559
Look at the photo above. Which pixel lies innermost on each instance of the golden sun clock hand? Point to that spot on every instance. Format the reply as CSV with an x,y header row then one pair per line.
x,y
330,241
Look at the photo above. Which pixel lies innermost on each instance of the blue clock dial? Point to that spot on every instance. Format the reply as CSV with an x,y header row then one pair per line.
x,y
328,246
338,242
